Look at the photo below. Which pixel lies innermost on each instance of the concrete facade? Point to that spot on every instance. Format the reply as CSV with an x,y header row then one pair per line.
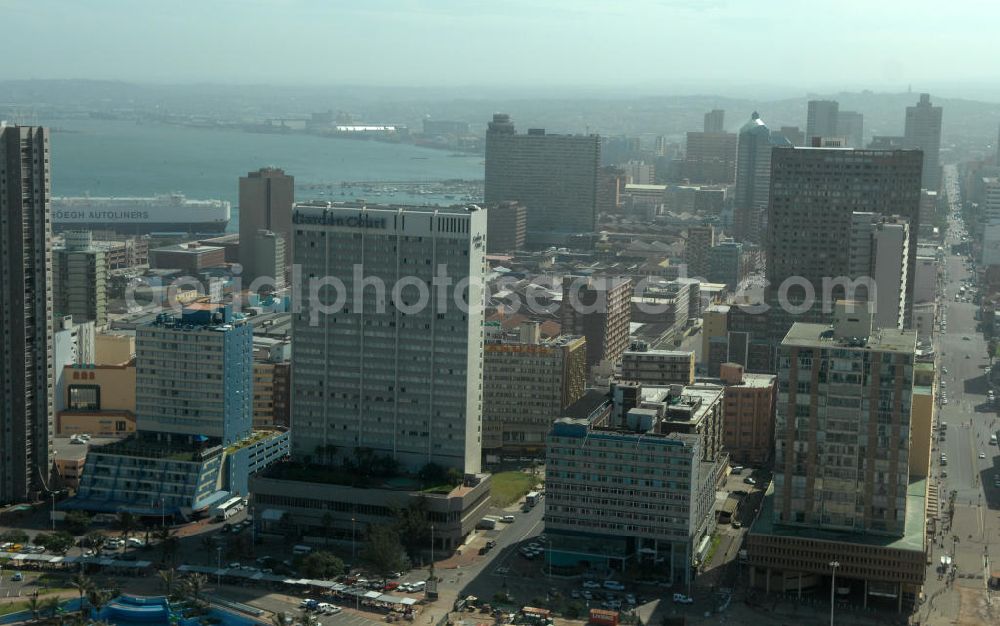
x,y
748,415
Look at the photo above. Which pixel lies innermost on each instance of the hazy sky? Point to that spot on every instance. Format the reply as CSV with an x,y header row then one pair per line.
x,y
878,44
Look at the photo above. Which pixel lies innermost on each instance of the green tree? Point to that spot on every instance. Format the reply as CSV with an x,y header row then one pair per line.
x,y
58,542
383,551
96,541
321,565
414,527
82,584
51,606
35,606
127,523
195,585
77,522
281,619
168,580
99,598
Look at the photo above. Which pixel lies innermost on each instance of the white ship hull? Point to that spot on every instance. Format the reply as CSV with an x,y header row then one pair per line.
x,y
141,215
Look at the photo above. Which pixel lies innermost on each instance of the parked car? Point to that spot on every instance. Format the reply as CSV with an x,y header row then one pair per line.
x,y
591,584
17,577
680,598
507,519
614,585
749,480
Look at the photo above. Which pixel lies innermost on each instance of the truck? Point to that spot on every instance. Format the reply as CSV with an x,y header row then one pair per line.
x,y
532,498
488,523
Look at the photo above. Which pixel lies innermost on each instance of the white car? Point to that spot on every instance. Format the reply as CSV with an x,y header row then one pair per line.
x,y
507,519
614,585
591,584
680,598
982,455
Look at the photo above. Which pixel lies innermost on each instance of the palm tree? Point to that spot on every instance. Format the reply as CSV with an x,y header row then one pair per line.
x,y
168,578
35,606
96,541
127,524
98,598
51,606
195,584
307,619
82,584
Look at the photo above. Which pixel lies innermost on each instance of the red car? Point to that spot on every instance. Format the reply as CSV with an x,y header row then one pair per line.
x,y
389,586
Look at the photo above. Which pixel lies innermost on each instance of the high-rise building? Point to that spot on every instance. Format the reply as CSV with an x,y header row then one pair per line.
x,y
526,385
554,176
727,263
266,261
923,131
710,158
194,375
506,227
79,279
748,414
851,126
753,178
821,119
853,452
599,308
395,372
26,343
658,367
814,193
880,250
266,198
715,121
698,248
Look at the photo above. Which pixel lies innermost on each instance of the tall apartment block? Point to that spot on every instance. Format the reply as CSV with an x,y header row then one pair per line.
x,y
698,248
842,489
79,279
194,446
923,132
851,126
753,178
880,251
526,385
599,308
26,343
814,194
400,375
821,119
748,415
266,198
715,121
636,485
554,176
506,227
710,158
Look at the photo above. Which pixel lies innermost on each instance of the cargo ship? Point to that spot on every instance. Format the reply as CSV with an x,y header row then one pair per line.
x,y
141,215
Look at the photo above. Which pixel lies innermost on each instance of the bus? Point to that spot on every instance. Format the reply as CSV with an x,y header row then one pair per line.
x,y
229,508
532,498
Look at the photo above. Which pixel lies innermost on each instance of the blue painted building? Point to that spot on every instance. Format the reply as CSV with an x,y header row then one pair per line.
x,y
194,444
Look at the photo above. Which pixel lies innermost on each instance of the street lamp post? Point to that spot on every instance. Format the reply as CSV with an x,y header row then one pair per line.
x,y
354,544
218,570
833,587
52,494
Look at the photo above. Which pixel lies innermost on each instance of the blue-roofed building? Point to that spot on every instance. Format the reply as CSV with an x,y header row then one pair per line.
x,y
194,444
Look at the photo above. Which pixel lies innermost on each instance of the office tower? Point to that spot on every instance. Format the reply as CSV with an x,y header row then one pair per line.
x,y
715,121
639,172
923,131
821,119
851,126
397,374
814,192
748,414
853,452
554,176
266,198
79,279
266,261
26,343
880,250
506,227
753,178
658,367
794,135
527,382
710,158
599,308
587,513
611,182
195,375
698,249
73,344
